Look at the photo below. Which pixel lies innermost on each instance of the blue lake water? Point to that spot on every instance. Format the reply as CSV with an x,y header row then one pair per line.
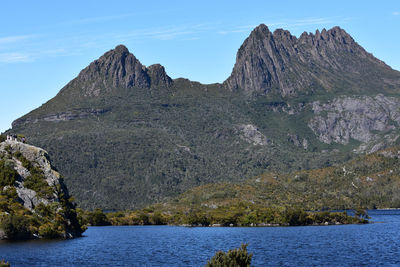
x,y
376,244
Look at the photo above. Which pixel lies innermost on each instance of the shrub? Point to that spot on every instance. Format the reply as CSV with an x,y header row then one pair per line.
x,y
37,182
16,226
49,230
24,161
144,219
236,257
8,175
97,218
157,219
297,217
3,263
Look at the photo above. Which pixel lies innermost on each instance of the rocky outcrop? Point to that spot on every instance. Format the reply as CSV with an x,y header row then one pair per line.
x,y
252,135
118,68
360,118
28,197
62,116
297,141
280,63
158,76
28,162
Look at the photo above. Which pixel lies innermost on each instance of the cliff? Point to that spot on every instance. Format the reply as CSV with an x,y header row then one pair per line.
x,y
330,60
34,202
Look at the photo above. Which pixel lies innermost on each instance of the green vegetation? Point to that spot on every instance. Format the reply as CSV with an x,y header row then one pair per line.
x,y
3,263
242,214
152,145
233,258
45,221
57,219
8,175
371,181
93,218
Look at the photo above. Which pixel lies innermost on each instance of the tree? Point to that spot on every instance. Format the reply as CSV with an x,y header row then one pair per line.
x,y
98,218
233,258
3,263
16,226
361,213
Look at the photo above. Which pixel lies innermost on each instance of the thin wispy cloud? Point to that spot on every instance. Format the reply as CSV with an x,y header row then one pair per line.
x,y
312,21
115,17
98,19
15,38
14,58
184,32
396,13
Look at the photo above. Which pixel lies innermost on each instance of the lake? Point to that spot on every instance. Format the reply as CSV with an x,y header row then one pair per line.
x,y
376,244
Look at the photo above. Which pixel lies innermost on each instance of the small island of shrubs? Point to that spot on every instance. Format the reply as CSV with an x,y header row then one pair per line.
x,y
233,215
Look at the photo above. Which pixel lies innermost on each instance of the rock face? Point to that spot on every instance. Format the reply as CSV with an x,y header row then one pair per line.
x,y
27,161
62,116
28,197
283,64
158,76
358,118
118,69
252,135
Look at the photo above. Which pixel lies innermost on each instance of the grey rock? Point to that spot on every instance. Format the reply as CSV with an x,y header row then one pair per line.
x,y
158,76
252,135
117,69
294,139
357,118
285,65
305,144
38,157
62,116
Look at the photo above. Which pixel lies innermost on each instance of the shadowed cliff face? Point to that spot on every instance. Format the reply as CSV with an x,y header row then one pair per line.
x,y
282,64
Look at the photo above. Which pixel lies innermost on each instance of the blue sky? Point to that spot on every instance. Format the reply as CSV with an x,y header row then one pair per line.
x,y
44,44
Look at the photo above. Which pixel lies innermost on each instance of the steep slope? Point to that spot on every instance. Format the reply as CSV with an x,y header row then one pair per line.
x,y
330,60
34,202
125,135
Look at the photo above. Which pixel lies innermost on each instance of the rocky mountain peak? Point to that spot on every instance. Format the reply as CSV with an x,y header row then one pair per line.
x,y
118,68
158,76
261,29
261,60
280,63
121,49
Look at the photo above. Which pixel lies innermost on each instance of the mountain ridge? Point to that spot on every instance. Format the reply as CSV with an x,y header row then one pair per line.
x,y
125,135
268,62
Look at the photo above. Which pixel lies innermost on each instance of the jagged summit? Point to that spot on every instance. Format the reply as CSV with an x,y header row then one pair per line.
x,y
120,49
117,68
280,63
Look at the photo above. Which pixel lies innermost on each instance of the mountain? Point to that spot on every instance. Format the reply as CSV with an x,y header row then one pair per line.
x,y
330,60
34,202
125,135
